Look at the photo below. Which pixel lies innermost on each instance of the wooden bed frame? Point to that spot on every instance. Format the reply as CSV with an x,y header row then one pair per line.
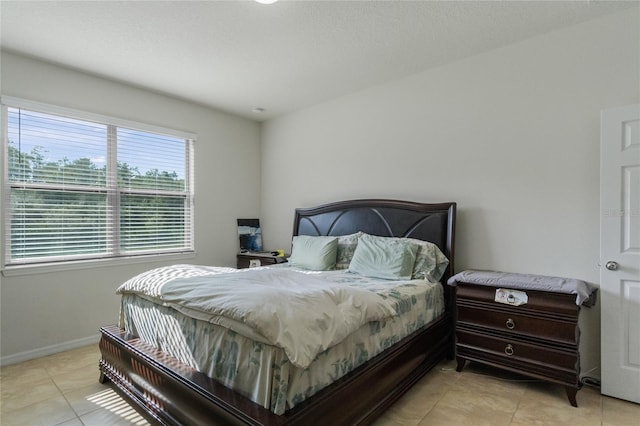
x,y
168,392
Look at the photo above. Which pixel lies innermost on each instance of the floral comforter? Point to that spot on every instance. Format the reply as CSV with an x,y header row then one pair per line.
x,y
249,359
301,312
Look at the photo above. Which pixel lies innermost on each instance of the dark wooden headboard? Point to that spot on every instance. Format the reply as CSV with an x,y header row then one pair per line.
x,y
386,218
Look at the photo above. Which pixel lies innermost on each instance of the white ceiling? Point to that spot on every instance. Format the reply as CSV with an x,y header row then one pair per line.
x,y
238,55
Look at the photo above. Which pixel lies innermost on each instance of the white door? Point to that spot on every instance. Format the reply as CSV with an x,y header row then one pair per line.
x,y
620,252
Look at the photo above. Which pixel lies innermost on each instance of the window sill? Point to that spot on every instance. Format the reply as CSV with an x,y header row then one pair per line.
x,y
44,268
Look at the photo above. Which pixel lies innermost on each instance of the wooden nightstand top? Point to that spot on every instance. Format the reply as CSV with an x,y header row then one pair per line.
x,y
250,259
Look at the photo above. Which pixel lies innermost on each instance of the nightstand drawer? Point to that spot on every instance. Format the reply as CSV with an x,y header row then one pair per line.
x,y
512,322
540,302
513,350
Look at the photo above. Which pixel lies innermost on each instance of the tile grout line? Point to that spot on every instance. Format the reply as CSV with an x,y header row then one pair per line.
x,y
513,415
65,399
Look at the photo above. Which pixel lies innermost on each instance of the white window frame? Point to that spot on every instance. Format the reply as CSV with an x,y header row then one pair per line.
x,y
113,193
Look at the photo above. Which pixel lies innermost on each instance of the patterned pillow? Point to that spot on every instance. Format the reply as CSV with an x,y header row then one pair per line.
x,y
430,261
346,247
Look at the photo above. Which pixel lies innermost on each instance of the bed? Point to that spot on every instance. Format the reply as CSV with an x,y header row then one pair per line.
x,y
168,388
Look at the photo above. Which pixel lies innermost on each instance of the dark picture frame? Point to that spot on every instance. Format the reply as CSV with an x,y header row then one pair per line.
x,y
250,234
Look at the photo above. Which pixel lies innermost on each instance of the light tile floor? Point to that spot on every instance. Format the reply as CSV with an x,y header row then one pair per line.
x,y
63,389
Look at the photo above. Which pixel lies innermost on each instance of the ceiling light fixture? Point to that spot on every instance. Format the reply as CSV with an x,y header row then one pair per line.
x,y
266,1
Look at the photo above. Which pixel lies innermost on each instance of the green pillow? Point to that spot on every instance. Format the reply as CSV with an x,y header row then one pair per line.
x,y
430,261
314,253
387,258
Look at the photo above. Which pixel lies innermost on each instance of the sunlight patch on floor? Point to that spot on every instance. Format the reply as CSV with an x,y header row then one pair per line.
x,y
110,400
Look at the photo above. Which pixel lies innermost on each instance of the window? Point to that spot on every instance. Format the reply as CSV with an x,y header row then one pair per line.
x,y
80,186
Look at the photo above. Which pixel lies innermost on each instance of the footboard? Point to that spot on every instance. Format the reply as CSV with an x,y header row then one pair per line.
x,y
169,392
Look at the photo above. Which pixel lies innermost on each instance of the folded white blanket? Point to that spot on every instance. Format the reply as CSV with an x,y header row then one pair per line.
x,y
581,289
302,313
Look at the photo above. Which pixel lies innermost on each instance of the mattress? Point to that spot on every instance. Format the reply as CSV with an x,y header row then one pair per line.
x,y
263,372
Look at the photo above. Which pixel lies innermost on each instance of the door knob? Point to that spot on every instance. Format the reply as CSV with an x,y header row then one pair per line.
x,y
611,265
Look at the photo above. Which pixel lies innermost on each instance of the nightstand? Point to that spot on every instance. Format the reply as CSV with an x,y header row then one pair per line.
x,y
254,259
526,331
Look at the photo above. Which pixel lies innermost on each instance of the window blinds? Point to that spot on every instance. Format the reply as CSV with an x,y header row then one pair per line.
x,y
85,188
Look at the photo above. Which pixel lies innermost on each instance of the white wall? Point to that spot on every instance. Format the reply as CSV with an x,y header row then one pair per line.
x,y
512,135
41,313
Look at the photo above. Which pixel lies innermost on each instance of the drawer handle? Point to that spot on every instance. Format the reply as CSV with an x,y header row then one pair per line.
x,y
511,324
508,350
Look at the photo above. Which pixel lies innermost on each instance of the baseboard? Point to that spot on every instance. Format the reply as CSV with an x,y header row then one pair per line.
x,y
48,350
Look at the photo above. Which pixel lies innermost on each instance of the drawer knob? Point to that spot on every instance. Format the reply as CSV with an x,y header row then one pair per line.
x,y
508,350
511,324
